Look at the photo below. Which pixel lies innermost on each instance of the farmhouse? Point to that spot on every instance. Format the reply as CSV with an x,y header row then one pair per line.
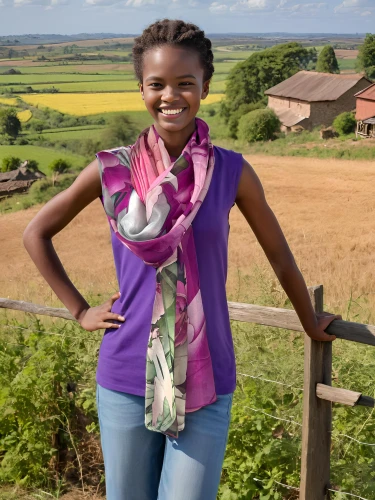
x,y
18,181
365,112
309,98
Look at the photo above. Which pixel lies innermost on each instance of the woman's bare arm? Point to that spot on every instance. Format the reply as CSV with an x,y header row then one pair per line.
x,y
37,238
253,205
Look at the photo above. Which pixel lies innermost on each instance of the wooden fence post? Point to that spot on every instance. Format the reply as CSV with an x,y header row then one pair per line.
x,y
317,414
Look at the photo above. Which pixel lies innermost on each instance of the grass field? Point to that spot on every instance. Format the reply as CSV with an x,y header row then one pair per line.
x,y
24,116
54,78
8,101
89,104
66,135
44,156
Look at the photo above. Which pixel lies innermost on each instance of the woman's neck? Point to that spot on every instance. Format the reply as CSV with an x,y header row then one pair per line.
x,y
175,141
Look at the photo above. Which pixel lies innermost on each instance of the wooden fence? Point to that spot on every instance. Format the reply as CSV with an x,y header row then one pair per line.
x,y
318,392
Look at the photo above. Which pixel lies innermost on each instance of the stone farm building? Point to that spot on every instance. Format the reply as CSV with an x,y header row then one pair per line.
x,y
365,112
309,98
18,181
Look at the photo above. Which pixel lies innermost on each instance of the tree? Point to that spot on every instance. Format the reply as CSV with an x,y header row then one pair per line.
x,y
57,167
248,80
366,56
345,123
9,122
10,163
120,132
258,125
32,165
327,62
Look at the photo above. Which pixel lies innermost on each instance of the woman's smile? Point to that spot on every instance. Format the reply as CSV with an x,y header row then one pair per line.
x,y
171,113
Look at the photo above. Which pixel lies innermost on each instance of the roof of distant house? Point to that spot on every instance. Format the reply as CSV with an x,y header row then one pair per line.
x,y
368,93
312,86
288,117
21,174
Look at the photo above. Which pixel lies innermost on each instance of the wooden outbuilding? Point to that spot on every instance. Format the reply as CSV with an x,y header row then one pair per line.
x,y
308,98
18,180
365,112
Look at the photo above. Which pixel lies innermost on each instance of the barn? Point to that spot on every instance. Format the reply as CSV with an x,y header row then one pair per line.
x,y
365,112
308,98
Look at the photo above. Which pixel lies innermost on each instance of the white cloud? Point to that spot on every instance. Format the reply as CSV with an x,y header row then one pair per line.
x,y
355,6
366,13
251,5
218,7
48,4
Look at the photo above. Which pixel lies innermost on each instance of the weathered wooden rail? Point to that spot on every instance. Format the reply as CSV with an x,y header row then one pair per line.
x,y
318,391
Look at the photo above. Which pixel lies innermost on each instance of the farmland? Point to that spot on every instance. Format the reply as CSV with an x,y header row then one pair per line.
x,y
73,91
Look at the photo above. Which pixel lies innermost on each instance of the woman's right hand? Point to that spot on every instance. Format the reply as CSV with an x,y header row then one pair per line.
x,y
95,318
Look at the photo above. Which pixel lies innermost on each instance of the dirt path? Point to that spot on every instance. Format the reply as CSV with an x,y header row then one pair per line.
x,y
325,207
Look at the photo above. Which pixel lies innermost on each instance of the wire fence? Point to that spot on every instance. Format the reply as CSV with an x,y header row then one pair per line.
x,y
256,377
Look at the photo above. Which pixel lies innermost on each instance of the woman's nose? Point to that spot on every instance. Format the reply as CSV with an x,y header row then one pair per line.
x,y
169,94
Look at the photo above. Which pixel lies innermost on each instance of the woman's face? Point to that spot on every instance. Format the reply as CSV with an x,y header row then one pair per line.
x,y
173,87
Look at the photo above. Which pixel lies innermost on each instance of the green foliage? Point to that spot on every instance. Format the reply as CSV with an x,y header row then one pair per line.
x,y
59,166
366,56
39,413
258,125
327,62
237,115
32,165
9,122
10,163
43,190
121,131
345,123
248,80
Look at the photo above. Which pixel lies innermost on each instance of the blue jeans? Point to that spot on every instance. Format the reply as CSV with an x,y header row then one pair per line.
x,y
146,465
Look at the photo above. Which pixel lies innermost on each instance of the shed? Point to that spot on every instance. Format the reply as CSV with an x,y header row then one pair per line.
x,y
309,98
365,111
18,180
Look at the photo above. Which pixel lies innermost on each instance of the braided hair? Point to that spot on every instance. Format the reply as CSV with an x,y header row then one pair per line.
x,y
173,32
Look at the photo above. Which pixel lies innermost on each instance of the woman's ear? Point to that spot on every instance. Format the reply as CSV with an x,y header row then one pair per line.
x,y
206,89
141,90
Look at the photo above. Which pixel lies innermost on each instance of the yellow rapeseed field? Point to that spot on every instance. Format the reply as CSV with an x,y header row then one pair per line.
x,y
24,116
92,104
10,101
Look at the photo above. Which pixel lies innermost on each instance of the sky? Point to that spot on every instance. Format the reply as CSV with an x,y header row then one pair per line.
x,y
19,17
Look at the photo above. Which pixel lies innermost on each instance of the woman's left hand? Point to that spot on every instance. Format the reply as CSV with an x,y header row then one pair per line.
x,y
323,321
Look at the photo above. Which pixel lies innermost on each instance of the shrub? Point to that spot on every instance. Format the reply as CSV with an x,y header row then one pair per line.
x,y
32,165
237,115
59,166
258,125
9,122
10,163
344,123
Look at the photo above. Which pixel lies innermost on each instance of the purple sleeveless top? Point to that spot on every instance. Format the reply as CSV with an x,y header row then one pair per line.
x,y
122,355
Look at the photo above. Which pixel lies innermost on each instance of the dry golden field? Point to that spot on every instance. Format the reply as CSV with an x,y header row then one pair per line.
x,y
325,207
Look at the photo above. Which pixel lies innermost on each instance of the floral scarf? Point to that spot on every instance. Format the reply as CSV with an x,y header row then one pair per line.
x,y
151,203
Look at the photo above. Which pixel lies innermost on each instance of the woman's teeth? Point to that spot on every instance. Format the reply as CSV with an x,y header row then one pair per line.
x,y
171,111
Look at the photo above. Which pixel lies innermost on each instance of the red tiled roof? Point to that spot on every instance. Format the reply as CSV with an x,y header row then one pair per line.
x,y
368,93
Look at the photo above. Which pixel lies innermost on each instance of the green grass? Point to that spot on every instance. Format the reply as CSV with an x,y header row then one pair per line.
x,y
224,67
105,86
44,156
66,135
48,78
347,64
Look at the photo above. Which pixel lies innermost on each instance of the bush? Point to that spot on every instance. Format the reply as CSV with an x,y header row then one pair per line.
x,y
237,115
43,190
59,166
345,123
10,163
258,125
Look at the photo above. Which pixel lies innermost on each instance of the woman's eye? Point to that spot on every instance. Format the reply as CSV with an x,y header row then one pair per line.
x,y
154,85
186,83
